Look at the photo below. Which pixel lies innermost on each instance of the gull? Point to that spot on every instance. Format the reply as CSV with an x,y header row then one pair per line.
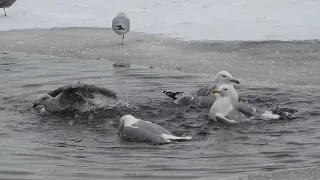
x,y
137,130
121,25
203,97
227,111
72,96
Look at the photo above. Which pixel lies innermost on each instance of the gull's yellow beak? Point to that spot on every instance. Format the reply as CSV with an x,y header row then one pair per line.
x,y
215,91
234,81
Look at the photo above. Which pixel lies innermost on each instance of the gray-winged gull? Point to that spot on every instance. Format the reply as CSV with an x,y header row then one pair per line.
x,y
5,4
203,97
121,25
137,130
227,111
73,96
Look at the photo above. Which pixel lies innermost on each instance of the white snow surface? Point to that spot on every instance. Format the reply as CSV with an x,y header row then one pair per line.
x,y
186,19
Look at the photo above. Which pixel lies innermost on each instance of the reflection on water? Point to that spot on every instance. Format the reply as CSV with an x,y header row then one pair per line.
x,y
37,146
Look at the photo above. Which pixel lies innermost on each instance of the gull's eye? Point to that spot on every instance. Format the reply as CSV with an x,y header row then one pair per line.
x,y
225,89
223,76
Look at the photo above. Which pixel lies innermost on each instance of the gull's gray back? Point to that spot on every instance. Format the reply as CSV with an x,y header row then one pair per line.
x,y
67,99
77,96
85,90
201,98
140,135
143,131
124,21
204,91
249,109
236,115
151,127
199,101
244,108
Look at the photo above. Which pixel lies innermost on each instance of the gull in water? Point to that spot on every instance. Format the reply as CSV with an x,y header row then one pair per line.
x,y
137,130
203,97
227,111
72,97
5,4
121,25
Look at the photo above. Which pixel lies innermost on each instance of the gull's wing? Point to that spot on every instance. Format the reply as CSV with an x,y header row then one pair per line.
x,y
198,101
255,112
151,127
71,100
131,133
248,109
205,91
85,89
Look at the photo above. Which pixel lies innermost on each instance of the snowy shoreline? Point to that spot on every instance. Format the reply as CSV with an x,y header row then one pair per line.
x,y
209,20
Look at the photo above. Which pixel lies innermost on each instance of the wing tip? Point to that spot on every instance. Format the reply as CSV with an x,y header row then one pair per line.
x,y
172,95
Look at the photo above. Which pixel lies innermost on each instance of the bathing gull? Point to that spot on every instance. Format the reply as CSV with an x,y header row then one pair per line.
x,y
203,97
137,130
5,4
229,112
121,25
73,96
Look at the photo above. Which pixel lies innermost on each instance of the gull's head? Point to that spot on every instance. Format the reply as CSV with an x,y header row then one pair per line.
x,y
224,90
225,77
121,14
122,121
42,99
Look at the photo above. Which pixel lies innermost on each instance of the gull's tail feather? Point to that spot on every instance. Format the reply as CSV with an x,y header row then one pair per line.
x,y
119,27
172,95
168,137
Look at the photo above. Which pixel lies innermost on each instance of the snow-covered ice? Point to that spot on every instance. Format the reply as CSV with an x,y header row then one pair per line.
x,y
187,19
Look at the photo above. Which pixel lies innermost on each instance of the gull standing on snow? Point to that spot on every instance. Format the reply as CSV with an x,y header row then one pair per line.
x,y
121,25
72,97
5,4
203,96
226,111
137,130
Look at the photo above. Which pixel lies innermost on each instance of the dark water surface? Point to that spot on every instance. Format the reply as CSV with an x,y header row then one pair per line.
x,y
34,146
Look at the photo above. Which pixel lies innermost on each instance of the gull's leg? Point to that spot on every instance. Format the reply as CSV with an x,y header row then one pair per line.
x,y
122,39
5,13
